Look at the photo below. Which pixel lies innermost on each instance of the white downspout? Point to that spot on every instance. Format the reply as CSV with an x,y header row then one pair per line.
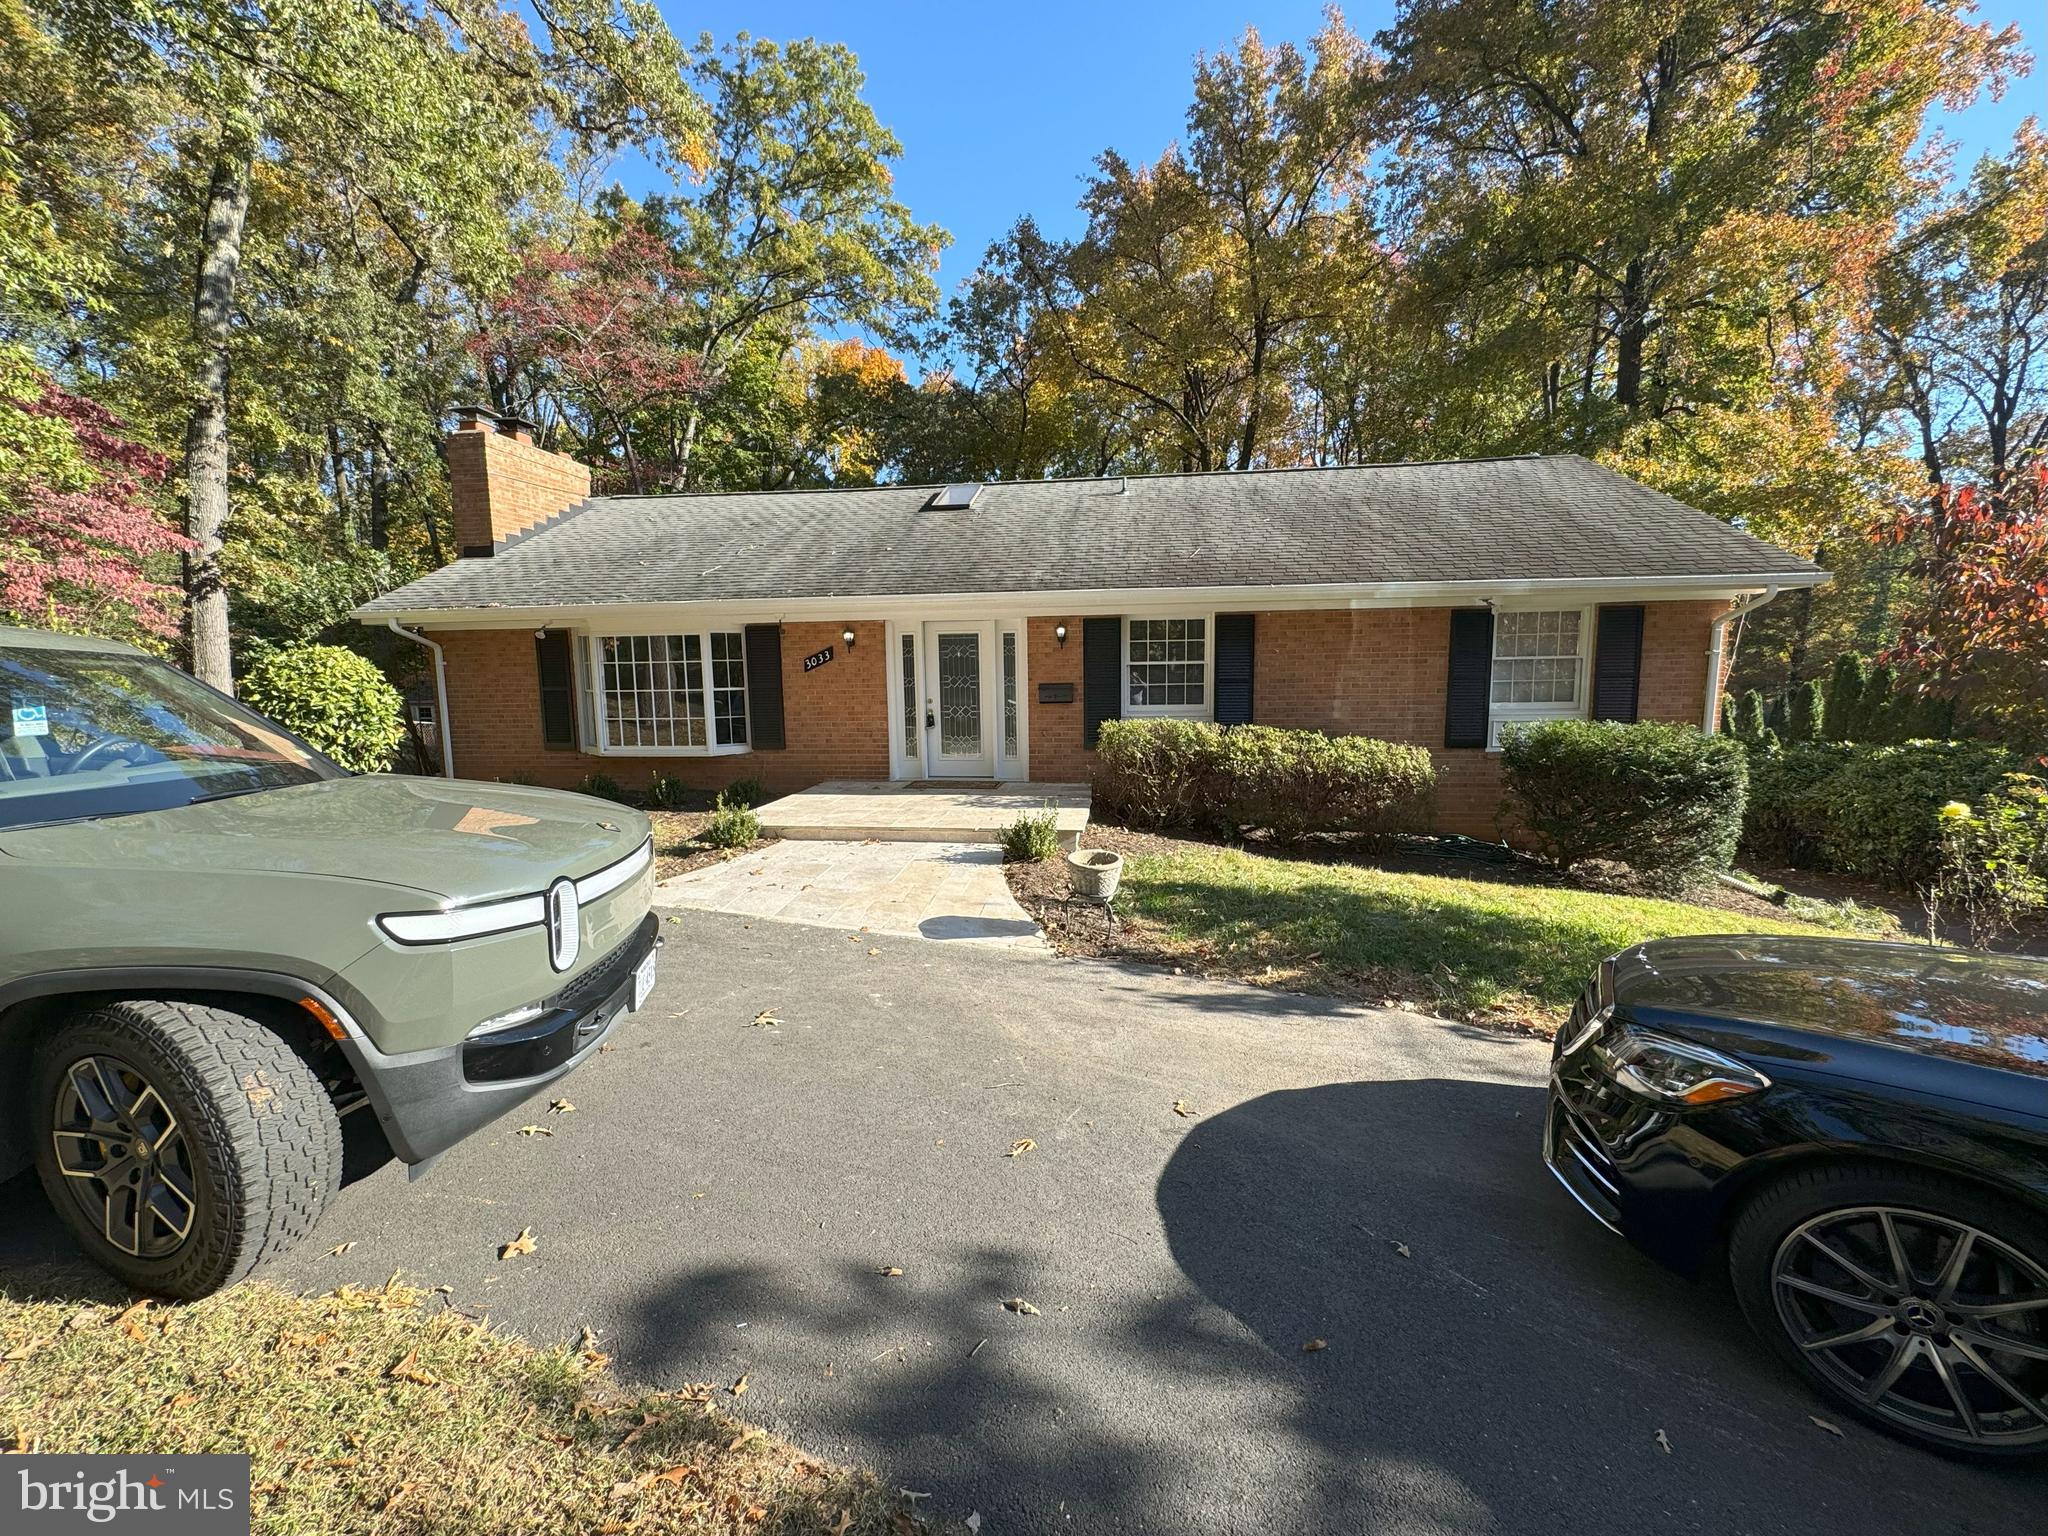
x,y
1720,628
441,693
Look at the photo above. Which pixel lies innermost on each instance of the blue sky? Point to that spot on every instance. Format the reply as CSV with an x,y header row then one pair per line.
x,y
1002,107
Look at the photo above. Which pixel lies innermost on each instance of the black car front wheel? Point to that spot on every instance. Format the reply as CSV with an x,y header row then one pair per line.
x,y
1918,1303
182,1144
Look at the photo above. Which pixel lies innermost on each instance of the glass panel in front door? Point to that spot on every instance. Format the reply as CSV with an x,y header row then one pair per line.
x,y
960,695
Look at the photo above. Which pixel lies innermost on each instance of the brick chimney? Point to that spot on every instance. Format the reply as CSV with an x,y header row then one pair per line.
x,y
501,483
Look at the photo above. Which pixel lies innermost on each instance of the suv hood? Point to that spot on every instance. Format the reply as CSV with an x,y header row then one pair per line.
x,y
1761,994
450,838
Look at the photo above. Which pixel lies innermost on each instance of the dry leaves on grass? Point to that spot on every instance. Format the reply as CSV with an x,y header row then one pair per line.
x,y
521,1244
408,1369
130,1322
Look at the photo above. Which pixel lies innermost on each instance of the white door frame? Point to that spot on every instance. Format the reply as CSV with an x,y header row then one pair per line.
x,y
989,687
911,746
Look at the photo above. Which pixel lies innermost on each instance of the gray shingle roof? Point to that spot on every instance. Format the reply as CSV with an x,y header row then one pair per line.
x,y
1562,518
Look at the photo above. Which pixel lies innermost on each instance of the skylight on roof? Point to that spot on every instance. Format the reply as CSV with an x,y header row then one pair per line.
x,y
955,497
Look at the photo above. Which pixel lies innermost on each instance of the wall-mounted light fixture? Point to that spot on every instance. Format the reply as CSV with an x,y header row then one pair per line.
x,y
846,638
1059,633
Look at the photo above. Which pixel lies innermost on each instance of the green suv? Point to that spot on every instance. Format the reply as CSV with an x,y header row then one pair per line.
x,y
217,945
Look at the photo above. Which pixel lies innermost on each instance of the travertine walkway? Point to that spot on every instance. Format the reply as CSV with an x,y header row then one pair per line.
x,y
950,891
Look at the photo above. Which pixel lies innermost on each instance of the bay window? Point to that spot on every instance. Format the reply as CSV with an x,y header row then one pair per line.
x,y
670,694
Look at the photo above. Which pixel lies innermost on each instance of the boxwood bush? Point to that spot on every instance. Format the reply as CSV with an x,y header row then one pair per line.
x,y
1192,775
334,699
1864,809
1666,800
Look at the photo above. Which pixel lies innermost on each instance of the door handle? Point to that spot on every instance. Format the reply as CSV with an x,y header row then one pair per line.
x,y
931,720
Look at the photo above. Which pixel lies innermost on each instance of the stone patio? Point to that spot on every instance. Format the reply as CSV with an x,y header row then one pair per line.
x,y
947,891
925,811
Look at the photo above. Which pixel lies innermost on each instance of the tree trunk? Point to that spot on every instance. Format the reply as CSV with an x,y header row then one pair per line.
x,y
1631,330
689,443
380,490
206,435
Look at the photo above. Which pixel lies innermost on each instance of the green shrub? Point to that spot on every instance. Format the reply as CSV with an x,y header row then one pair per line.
x,y
1863,809
1994,866
1194,775
336,700
747,792
731,825
1845,697
602,785
666,792
1806,712
1666,800
1031,838
1749,716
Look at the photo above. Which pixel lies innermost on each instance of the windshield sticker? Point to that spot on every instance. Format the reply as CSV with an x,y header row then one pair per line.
x,y
31,720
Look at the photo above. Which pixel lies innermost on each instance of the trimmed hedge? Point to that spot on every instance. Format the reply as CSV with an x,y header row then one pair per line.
x,y
1666,800
1194,775
332,698
1863,809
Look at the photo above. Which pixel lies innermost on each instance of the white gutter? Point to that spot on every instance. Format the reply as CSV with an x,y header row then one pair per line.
x,y
440,695
1714,637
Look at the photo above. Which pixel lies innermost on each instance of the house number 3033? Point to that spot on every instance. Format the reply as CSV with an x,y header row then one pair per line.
x,y
817,659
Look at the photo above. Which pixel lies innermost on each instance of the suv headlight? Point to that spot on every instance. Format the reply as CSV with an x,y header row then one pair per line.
x,y
1675,1071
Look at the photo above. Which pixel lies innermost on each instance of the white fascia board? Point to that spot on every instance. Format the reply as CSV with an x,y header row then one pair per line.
x,y
601,618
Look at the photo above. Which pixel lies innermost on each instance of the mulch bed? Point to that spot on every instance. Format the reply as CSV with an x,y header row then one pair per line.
x,y
677,845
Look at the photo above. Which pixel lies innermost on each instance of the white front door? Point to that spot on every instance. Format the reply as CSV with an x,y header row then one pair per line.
x,y
961,700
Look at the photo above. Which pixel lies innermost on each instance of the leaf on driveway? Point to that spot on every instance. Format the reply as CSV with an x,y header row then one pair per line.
x,y
1663,1442
1020,1146
874,951
889,1270
1824,1424
1313,1345
1021,1307
535,1130
1402,1249
339,1249
766,1019
1182,1108
739,1388
561,1107
523,1243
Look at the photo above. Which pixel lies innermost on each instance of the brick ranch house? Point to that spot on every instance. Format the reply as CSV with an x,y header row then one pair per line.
x,y
986,631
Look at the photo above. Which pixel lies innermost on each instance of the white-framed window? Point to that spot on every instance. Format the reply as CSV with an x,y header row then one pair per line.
x,y
1539,666
1166,667
670,695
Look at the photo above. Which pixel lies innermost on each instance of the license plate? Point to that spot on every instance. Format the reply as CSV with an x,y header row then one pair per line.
x,y
643,980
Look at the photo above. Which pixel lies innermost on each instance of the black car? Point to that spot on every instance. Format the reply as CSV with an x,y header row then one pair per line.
x,y
1862,1131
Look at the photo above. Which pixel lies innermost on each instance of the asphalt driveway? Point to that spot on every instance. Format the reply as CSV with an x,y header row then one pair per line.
x,y
726,1194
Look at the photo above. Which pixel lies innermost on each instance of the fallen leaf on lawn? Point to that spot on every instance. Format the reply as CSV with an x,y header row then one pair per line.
x,y
561,1107
408,1369
845,1523
888,1269
1181,1108
1020,1146
182,1400
1402,1249
739,1388
339,1249
523,1243
674,1474
535,1130
23,1351
1663,1442
1022,1307
766,1019
1313,1345
84,1319
128,1322
1824,1424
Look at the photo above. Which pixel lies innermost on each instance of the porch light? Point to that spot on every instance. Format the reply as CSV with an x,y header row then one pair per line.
x,y
1059,633
846,635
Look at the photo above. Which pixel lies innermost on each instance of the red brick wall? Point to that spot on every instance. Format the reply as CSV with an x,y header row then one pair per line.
x,y
499,485
835,718
1057,756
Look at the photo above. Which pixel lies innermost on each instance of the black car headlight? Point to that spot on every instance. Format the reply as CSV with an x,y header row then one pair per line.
x,y
1675,1071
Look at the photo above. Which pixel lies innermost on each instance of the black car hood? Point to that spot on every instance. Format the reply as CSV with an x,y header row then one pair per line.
x,y
1815,1002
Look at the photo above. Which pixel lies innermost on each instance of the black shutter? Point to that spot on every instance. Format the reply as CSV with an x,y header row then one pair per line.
x,y
557,689
1471,677
1618,662
764,686
1234,633
1102,675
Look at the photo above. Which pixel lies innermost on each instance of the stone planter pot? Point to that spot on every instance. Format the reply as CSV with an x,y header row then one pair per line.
x,y
1093,873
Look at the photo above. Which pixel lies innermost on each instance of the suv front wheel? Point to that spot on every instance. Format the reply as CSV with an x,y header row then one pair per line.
x,y
182,1144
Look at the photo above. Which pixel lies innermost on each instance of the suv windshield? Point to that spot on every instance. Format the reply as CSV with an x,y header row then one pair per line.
x,y
87,733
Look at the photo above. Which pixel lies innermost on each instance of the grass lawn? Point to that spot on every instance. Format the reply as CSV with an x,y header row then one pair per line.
x,y
386,1411
1510,951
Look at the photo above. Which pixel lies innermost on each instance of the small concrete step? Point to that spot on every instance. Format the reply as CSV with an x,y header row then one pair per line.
x,y
890,812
